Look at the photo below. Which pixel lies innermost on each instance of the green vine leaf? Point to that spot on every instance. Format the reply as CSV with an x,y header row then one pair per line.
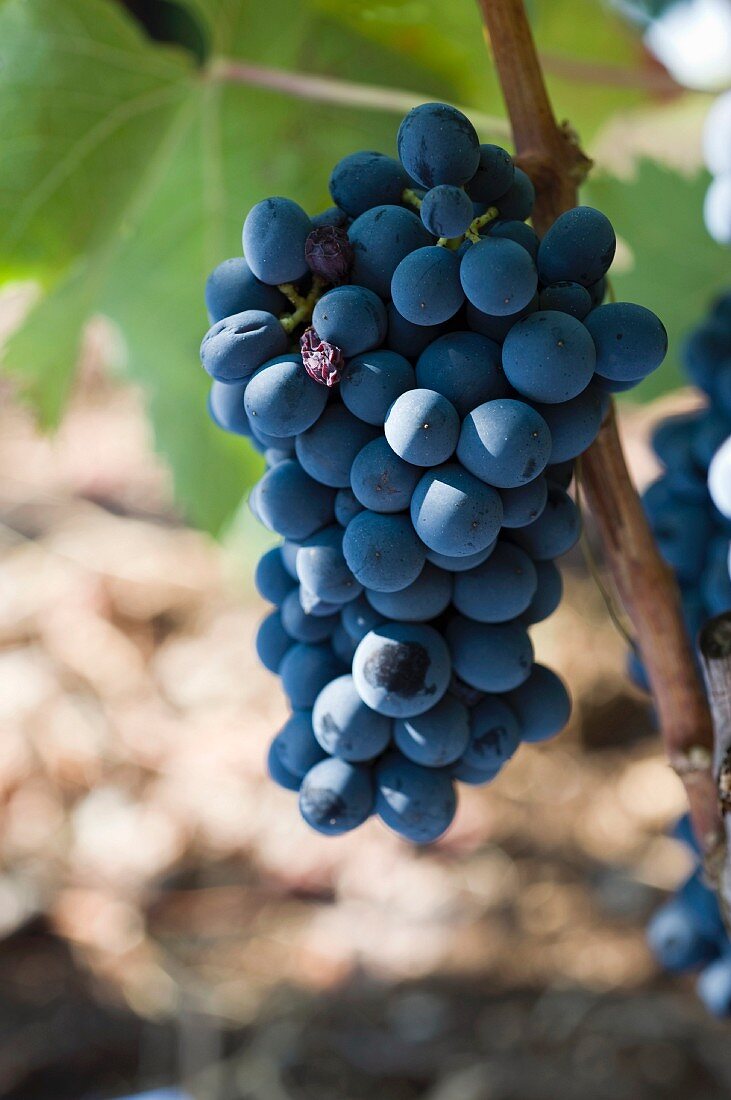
x,y
126,171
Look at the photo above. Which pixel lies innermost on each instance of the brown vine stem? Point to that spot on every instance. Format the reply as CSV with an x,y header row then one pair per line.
x,y
553,158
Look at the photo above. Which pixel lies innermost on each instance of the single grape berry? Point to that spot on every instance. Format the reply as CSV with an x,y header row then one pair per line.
x,y
323,361
329,253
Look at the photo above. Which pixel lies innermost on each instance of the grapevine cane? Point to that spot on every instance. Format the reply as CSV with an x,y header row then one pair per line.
x,y
552,157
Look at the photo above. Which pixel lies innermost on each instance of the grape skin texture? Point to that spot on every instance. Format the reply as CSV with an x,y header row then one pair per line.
x,y
464,367
426,287
453,513
549,357
401,669
381,237
419,407
437,737
336,796
505,442
274,238
498,276
351,317
438,144
232,287
371,382
491,657
345,727
417,803
422,427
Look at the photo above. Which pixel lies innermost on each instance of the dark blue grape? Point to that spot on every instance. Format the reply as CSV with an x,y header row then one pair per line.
x,y
438,144
494,735
417,803
295,744
381,237
329,254
363,180
630,341
289,502
516,231
332,216
305,669
505,443
322,570
428,596
542,704
574,424
422,427
465,368
497,328
426,287
232,287
495,173
517,202
579,247
272,641
359,617
437,737
498,590
278,773
382,551
401,669
226,407
271,578
302,627
381,480
566,298
498,276
347,505
327,449
548,593
336,797
281,399
555,531
549,357
454,513
274,238
460,563
350,317
345,727
409,339
233,348
446,210
372,381
525,503
490,657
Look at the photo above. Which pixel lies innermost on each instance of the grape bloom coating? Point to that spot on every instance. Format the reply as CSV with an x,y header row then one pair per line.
x,y
419,372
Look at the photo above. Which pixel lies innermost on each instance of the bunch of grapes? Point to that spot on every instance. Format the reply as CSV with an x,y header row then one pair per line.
x,y
688,933
692,532
420,372
717,154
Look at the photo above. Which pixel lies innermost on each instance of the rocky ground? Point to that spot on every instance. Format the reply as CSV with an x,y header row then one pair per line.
x,y
166,917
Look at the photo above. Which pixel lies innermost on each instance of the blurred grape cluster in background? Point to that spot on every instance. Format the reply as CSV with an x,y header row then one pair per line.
x,y
165,919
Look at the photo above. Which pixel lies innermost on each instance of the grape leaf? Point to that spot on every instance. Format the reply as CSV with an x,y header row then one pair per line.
x,y
125,175
676,268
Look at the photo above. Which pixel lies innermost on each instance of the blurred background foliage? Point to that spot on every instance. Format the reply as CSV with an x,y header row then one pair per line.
x,y
128,161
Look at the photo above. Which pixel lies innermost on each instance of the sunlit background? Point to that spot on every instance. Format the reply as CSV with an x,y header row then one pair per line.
x,y
166,917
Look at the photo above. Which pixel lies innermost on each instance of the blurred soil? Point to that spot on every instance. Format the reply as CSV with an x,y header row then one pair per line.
x,y
164,914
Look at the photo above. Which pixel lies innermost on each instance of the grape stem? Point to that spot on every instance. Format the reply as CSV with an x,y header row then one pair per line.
x,y
303,306
714,646
553,158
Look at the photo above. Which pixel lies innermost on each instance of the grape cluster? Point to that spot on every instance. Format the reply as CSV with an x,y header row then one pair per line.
x,y
687,933
419,409
717,154
691,532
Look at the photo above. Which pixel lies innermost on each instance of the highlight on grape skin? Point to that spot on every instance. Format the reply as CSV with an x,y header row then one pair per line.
x,y
420,373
